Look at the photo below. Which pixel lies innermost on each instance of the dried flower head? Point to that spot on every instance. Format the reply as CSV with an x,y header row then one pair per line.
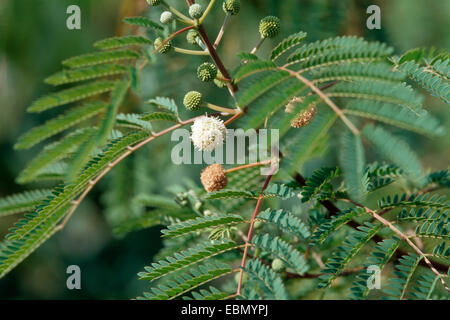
x,y
214,178
304,118
208,133
269,27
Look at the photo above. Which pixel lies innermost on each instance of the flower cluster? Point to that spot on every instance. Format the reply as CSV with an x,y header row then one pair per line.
x,y
208,133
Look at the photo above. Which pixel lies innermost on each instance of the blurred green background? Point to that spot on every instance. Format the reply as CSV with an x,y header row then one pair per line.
x,y
33,41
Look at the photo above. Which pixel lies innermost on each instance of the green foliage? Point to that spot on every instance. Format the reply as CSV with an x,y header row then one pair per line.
x,y
282,250
271,283
395,150
404,271
22,202
344,253
197,224
352,161
318,186
297,223
286,221
186,258
187,281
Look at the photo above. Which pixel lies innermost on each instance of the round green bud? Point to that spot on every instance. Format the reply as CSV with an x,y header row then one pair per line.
x,y
191,36
237,277
269,27
277,265
166,17
193,100
154,3
219,83
196,11
232,6
207,72
165,47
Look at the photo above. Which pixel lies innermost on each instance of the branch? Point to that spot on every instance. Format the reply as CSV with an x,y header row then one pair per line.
x,y
252,224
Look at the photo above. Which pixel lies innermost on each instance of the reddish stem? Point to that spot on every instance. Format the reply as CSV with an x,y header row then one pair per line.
x,y
250,231
173,35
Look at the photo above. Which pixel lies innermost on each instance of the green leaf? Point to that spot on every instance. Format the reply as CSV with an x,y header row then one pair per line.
x,y
83,154
287,44
186,259
120,42
95,58
286,221
187,281
166,103
396,151
143,22
397,116
352,161
71,95
271,282
201,223
54,153
22,202
290,256
77,75
251,68
59,124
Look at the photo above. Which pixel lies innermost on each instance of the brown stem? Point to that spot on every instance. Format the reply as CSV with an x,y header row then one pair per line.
x,y
250,231
247,166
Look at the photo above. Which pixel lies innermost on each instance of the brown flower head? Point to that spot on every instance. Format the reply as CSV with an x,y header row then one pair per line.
x,y
304,118
214,178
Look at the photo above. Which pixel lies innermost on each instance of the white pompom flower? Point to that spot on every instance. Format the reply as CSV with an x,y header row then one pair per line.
x,y
208,133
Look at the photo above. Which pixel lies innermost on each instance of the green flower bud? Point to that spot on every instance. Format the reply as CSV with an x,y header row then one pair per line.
x,y
277,265
193,100
154,3
232,6
207,72
191,36
237,277
219,83
166,17
269,27
196,11
165,47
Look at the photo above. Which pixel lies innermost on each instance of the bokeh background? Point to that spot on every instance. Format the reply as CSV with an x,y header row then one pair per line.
x,y
33,41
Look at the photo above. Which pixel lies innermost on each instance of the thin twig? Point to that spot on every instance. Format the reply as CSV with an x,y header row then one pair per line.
x,y
173,35
252,224
222,30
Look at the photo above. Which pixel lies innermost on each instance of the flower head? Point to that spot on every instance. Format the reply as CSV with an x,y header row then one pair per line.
x,y
277,265
191,36
165,47
193,100
208,133
166,17
232,6
214,178
196,11
207,72
269,27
